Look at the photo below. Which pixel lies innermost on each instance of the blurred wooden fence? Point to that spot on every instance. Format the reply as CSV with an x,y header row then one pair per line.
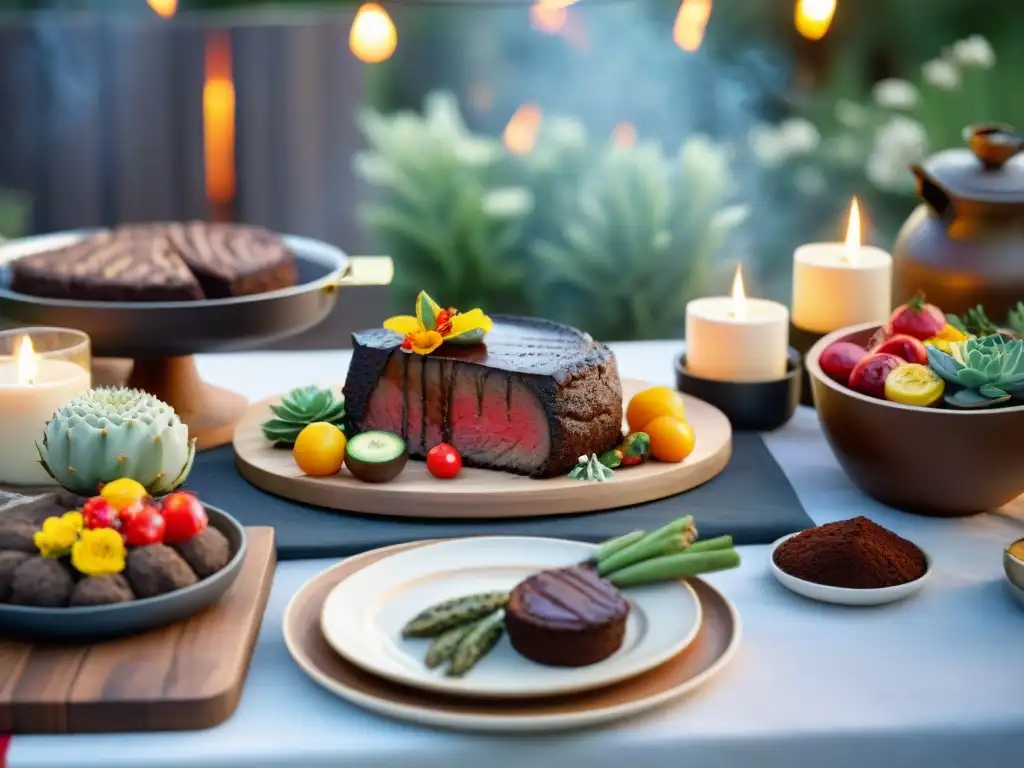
x,y
101,119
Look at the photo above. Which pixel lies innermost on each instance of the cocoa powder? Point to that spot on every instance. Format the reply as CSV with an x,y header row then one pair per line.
x,y
855,554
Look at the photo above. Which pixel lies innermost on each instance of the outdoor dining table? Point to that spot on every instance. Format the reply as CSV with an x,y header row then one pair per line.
x,y
936,680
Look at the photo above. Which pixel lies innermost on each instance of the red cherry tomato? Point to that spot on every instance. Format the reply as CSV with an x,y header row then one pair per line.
x,y
917,318
869,375
185,517
142,525
97,512
907,347
443,461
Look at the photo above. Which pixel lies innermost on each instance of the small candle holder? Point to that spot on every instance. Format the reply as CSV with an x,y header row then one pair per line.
x,y
41,369
749,405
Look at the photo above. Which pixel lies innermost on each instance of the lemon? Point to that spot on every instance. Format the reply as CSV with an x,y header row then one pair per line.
x,y
319,449
123,492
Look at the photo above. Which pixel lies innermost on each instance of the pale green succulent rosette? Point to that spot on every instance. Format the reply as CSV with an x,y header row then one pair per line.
x,y
298,409
983,372
109,433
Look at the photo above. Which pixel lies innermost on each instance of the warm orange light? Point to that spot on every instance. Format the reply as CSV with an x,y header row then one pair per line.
x,y
26,361
814,17
373,37
547,17
624,135
165,9
853,237
739,296
219,121
521,132
691,22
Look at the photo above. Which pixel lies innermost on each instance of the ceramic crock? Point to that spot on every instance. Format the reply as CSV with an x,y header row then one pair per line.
x,y
964,245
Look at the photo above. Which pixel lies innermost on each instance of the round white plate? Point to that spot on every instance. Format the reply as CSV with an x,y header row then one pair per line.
x,y
363,616
841,595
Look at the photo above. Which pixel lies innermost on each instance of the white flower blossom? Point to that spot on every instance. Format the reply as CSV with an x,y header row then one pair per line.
x,y
941,73
845,150
810,181
767,145
850,113
894,93
799,135
899,143
974,51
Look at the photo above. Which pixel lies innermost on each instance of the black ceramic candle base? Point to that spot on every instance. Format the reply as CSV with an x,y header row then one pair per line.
x,y
802,340
753,405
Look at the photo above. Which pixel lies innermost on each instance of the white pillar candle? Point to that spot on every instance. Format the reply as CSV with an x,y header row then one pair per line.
x,y
32,388
733,338
840,284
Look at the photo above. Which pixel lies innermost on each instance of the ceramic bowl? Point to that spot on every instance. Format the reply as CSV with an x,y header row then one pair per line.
x,y
930,461
1014,568
840,595
93,623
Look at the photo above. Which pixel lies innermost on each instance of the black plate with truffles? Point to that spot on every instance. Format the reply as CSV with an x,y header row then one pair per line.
x,y
82,570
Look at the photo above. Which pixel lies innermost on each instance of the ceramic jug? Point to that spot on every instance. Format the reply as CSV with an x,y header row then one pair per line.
x,y
964,245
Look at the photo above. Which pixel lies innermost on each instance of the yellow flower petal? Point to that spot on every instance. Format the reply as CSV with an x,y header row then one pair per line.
x,y
425,342
99,552
473,320
403,324
74,519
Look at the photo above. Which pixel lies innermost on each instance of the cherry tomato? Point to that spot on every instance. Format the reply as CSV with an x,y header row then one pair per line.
x,y
97,512
443,461
869,375
907,347
142,525
185,517
917,318
838,360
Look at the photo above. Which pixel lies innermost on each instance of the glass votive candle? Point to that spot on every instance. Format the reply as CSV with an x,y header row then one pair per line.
x,y
41,369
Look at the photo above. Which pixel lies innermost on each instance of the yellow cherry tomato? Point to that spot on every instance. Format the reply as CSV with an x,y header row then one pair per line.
x,y
672,439
319,449
649,404
123,492
914,384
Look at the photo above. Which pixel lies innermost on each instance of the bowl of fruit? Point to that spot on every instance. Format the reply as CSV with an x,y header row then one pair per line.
x,y
114,564
925,412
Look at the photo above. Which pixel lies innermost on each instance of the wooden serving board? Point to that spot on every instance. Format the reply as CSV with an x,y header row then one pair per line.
x,y
183,677
480,493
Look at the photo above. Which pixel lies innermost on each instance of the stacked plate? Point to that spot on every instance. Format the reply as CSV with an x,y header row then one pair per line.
x,y
343,628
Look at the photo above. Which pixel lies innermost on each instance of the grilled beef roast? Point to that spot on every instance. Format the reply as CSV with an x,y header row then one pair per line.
x,y
531,399
159,262
569,617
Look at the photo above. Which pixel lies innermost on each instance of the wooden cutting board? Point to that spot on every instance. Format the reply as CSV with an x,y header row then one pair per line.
x,y
183,677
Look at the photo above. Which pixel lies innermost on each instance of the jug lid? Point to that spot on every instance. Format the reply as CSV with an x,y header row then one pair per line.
x,y
991,171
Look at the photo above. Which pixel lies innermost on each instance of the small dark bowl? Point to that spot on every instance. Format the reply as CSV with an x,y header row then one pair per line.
x,y
103,622
929,461
754,405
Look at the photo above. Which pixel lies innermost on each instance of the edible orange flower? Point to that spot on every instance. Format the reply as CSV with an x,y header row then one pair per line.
x,y
433,326
99,552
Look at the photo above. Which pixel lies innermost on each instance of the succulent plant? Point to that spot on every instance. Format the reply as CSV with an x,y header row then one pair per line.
x,y
300,408
975,321
1015,320
112,432
984,372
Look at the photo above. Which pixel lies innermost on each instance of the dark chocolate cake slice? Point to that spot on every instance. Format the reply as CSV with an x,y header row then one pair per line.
x,y
107,266
233,260
569,617
531,399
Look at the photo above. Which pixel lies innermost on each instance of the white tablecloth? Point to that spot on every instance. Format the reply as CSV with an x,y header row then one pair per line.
x,y
935,681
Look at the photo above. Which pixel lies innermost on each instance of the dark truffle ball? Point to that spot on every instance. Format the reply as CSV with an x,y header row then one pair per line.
x,y
18,535
42,582
102,590
156,570
9,560
207,552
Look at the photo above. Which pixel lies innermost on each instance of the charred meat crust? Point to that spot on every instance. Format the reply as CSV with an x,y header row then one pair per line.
x,y
574,379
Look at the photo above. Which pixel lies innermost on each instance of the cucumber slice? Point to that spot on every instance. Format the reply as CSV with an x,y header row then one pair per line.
x,y
376,457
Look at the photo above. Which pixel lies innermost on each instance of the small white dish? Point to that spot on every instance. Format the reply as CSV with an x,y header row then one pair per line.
x,y
363,616
841,595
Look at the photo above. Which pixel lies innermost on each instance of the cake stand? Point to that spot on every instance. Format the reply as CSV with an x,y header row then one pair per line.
x,y
161,338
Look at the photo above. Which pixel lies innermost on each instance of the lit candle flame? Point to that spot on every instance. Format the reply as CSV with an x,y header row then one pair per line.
x,y
691,22
852,247
548,16
26,362
814,17
624,135
165,9
739,296
521,132
219,120
373,37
